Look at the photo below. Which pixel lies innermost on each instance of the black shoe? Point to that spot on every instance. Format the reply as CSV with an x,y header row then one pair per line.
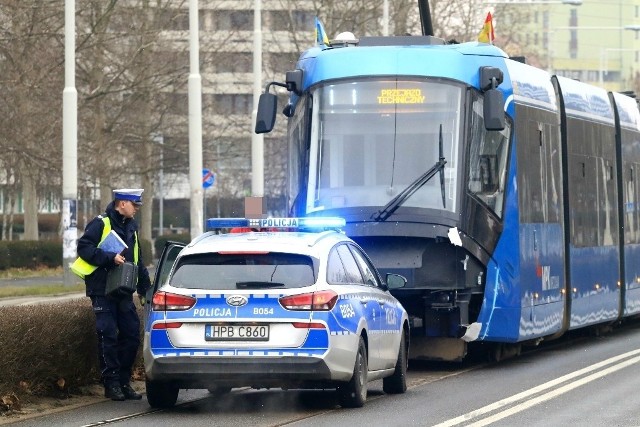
x,y
129,393
114,392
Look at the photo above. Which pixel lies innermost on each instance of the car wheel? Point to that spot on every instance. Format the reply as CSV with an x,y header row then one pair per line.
x,y
397,382
219,390
354,393
161,395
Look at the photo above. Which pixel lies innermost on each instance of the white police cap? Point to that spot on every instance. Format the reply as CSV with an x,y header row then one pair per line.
x,y
133,194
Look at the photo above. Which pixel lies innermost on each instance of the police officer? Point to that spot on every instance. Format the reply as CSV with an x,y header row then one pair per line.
x,y
117,322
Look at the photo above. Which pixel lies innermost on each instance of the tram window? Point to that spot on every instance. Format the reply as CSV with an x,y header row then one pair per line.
x,y
630,194
298,134
487,161
539,169
592,188
488,173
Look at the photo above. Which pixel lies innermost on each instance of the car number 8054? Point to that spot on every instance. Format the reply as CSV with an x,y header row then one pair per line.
x,y
236,333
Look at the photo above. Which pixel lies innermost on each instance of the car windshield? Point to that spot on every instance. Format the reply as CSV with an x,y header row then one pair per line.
x,y
224,271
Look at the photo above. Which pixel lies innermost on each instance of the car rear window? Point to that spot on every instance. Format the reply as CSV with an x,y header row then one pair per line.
x,y
218,271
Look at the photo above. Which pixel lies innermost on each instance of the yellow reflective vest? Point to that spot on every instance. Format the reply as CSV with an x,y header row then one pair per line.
x,y
82,268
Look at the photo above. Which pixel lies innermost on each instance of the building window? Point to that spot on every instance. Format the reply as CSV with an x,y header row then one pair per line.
x,y
573,35
302,19
280,61
233,20
178,103
175,21
283,20
227,62
232,104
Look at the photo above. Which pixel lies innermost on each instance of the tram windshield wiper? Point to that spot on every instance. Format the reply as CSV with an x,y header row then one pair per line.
x,y
397,201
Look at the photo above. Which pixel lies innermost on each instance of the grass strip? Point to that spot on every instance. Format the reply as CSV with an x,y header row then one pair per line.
x,y
36,289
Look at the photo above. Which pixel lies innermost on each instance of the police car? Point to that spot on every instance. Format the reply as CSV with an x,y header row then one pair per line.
x,y
263,309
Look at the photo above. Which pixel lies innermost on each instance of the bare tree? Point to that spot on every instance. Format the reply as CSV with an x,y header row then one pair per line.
x,y
123,71
30,65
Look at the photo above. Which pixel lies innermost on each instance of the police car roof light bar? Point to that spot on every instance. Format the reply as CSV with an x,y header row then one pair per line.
x,y
297,223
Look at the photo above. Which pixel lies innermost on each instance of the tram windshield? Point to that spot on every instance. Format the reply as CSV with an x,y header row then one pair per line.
x,y
370,140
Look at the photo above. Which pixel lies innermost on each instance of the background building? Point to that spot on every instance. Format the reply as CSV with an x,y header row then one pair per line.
x,y
132,65
593,41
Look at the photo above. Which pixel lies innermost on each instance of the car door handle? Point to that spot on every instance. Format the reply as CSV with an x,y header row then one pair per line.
x,y
363,301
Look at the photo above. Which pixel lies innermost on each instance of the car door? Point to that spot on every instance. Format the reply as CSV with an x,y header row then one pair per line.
x,y
365,298
387,315
165,264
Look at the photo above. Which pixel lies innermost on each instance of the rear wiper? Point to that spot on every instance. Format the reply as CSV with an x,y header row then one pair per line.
x,y
258,285
397,201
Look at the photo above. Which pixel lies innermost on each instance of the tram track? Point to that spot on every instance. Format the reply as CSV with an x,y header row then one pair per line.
x,y
421,373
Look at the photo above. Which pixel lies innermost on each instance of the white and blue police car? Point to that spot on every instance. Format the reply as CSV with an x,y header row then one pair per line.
x,y
264,309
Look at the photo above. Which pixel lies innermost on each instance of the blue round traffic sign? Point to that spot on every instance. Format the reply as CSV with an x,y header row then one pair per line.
x,y
208,178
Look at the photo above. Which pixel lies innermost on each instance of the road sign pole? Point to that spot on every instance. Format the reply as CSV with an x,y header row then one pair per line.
x,y
208,178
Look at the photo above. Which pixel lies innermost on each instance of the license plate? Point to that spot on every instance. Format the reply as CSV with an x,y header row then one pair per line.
x,y
236,332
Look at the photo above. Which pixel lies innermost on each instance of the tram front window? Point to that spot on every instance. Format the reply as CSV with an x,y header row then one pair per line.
x,y
372,139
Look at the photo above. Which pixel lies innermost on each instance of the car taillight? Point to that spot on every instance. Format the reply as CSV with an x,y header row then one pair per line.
x,y
167,325
164,301
321,301
308,325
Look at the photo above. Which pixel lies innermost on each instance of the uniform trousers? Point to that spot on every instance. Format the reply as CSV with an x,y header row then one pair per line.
x,y
118,329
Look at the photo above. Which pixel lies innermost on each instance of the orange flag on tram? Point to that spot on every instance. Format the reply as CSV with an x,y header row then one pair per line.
x,y
486,34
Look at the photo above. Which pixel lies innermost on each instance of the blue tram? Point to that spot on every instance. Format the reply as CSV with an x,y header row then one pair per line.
x,y
506,196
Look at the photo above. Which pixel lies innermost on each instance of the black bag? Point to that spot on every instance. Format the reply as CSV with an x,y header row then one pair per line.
x,y
122,279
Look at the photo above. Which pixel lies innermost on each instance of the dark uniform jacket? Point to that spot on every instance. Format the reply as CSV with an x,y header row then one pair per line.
x,y
89,251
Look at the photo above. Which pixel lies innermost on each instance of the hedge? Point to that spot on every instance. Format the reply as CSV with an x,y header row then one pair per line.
x,y
51,350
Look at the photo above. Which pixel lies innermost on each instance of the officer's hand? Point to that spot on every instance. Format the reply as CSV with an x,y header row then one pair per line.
x,y
143,300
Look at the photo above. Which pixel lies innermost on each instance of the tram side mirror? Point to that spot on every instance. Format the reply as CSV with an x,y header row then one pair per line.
x,y
490,79
293,80
266,115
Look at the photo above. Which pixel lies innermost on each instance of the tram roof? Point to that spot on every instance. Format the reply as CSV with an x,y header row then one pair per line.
x,y
454,61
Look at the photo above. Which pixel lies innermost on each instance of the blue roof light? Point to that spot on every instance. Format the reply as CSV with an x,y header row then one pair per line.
x,y
297,223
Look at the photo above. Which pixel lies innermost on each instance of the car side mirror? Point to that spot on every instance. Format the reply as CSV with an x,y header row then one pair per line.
x,y
395,281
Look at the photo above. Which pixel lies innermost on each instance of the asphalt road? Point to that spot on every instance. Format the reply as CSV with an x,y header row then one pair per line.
x,y
589,381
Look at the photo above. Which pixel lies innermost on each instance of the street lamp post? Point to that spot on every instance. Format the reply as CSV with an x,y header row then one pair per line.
x,y
69,145
195,123
385,18
257,140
